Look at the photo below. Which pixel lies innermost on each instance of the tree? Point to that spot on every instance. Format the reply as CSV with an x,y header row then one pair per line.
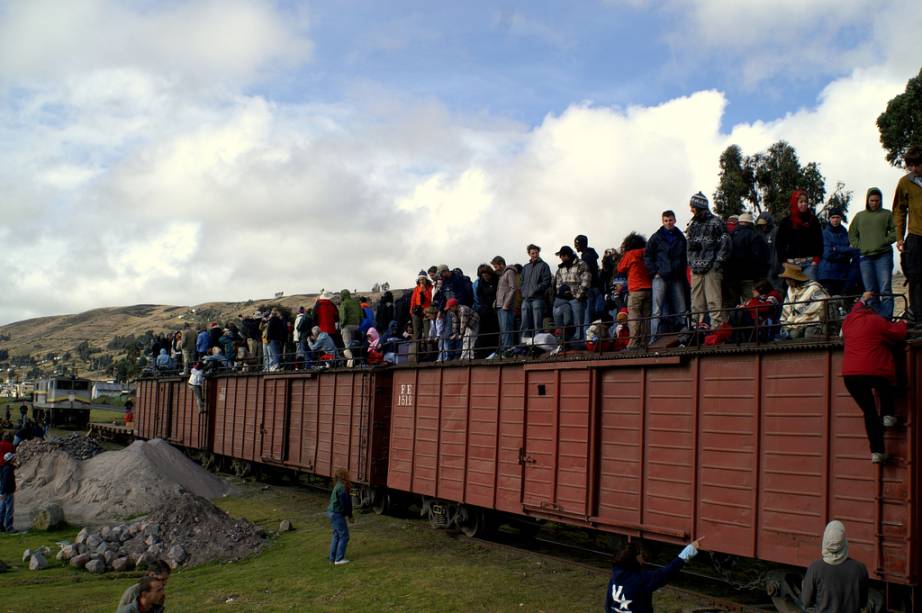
x,y
901,124
737,183
778,174
840,198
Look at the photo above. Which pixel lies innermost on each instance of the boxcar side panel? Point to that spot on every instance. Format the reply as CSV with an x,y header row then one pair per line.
x,y
325,399
728,446
343,404
483,425
510,439
378,452
426,428
273,419
571,495
620,467
452,434
541,429
402,431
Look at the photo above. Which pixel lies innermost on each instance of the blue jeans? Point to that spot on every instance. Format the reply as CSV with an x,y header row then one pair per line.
x,y
275,354
877,275
6,513
340,536
671,293
506,328
532,316
570,314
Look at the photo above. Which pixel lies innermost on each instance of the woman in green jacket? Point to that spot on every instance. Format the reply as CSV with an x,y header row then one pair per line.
x,y
339,510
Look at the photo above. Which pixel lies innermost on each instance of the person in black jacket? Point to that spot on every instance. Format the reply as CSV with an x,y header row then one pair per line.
x,y
667,260
7,490
631,588
749,262
384,314
800,238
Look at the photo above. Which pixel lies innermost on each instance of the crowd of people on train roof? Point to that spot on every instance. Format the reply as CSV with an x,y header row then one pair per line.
x,y
741,279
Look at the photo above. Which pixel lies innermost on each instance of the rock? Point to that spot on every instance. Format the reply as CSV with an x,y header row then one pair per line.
x,y
178,554
151,540
81,536
120,565
96,566
143,561
105,531
67,552
4,567
93,541
152,530
154,551
48,517
103,548
285,526
124,535
26,555
82,548
108,557
45,550
79,561
38,562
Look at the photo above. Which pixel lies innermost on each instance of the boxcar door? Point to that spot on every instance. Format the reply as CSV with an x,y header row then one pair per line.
x,y
275,417
556,451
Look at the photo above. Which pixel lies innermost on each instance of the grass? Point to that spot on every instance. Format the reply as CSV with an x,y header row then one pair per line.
x,y
398,565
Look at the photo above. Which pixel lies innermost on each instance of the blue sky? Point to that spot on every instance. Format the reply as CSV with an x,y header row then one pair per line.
x,y
188,151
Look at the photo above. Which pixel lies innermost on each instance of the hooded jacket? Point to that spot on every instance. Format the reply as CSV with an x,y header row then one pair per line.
x,y
750,254
837,254
350,313
872,232
868,343
799,234
536,279
385,313
837,583
326,315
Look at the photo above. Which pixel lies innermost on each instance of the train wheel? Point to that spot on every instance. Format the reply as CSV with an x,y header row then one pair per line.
x,y
380,501
472,522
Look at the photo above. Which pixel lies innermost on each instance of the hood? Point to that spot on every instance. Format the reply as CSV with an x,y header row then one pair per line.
x,y
345,295
798,219
163,352
871,192
374,339
835,545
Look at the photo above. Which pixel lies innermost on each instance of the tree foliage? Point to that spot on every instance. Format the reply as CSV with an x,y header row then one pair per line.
x,y
901,124
840,198
766,180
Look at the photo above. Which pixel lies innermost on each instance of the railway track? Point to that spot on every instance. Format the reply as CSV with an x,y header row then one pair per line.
x,y
711,599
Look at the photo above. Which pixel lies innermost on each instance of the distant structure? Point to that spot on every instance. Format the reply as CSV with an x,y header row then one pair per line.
x,y
279,294
385,286
108,388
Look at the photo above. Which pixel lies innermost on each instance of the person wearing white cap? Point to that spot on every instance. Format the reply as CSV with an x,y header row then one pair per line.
x,y
836,583
7,490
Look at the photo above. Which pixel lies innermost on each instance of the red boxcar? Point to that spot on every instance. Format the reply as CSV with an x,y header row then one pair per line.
x,y
756,451
166,409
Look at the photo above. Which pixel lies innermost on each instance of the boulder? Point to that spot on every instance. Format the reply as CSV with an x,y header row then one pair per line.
x,y
154,551
151,540
82,548
4,567
93,541
67,552
48,517
121,564
178,554
105,531
81,536
38,562
285,526
152,530
143,561
96,566
26,555
103,548
79,561
108,557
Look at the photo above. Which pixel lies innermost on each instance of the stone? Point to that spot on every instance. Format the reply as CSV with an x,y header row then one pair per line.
x,y
26,555
48,517
152,530
67,552
151,540
81,536
38,562
108,557
103,548
120,565
178,554
96,566
45,550
285,526
143,561
82,548
93,541
105,531
79,561
4,567
124,535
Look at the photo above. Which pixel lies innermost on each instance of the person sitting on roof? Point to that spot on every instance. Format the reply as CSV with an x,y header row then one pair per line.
x,y
322,345
465,326
804,311
164,361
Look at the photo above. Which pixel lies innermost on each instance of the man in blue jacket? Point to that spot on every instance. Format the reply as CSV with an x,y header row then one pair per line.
x,y
631,588
666,260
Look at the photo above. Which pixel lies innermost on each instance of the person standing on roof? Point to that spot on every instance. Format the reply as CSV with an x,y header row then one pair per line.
x,y
838,255
666,260
536,281
507,294
632,265
907,212
873,232
708,251
571,292
591,257
350,318
836,583
800,238
868,368
630,589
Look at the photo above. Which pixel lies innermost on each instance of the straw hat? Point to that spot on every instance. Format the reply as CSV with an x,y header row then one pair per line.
x,y
793,271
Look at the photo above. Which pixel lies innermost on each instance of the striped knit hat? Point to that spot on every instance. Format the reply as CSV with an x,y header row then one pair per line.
x,y
699,201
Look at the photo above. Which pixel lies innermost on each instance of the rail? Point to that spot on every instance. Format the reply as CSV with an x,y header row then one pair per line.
x,y
780,325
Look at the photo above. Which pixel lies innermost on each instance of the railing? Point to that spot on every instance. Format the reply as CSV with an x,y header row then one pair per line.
x,y
749,326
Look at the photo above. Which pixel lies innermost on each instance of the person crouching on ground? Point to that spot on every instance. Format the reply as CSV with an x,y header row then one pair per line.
x,y
837,583
339,510
150,597
158,570
631,588
868,367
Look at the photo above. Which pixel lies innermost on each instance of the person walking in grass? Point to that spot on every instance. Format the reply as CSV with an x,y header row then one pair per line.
x,y
339,510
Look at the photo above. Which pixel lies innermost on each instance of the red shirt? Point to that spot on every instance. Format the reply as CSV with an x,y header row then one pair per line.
x,y
5,448
868,341
325,315
637,276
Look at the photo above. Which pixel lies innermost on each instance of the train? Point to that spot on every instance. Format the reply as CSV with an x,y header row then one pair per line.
x,y
65,400
754,447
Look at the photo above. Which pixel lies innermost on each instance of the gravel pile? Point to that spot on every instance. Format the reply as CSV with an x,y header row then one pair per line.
x,y
185,530
78,446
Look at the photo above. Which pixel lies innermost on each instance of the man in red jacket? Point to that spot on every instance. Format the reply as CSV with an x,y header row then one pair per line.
x,y
868,366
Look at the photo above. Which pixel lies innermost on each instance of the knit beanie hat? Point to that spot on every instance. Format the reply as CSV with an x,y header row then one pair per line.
x,y
699,201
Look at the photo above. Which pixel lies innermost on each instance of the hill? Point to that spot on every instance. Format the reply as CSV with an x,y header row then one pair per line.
x,y
94,341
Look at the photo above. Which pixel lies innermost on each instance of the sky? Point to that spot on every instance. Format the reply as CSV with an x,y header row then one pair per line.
x,y
182,152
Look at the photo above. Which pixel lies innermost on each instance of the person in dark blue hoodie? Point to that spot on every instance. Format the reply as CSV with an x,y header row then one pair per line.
x,y
631,588
666,260
838,255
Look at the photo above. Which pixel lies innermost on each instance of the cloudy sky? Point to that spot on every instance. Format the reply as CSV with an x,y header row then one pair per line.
x,y
180,152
